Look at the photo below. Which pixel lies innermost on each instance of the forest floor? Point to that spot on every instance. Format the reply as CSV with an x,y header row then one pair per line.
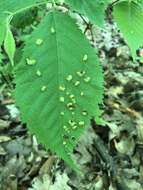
x,y
111,156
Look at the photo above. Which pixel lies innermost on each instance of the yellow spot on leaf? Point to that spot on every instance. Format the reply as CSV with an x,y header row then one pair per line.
x,y
69,78
52,30
77,83
62,99
85,57
61,88
43,88
38,73
30,61
39,41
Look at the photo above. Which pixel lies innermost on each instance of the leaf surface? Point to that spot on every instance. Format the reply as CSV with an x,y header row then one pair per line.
x,y
17,5
8,7
129,18
94,10
59,84
9,44
2,27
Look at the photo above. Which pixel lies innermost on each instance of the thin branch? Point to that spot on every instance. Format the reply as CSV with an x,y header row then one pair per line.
x,y
111,166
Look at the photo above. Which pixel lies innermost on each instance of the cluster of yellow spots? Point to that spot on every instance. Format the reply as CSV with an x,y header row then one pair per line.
x,y
72,101
86,79
74,124
71,105
71,124
39,42
32,62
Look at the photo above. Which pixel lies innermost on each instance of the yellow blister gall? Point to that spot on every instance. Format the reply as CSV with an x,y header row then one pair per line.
x,y
62,99
52,30
87,79
69,78
81,123
85,58
38,73
82,93
62,113
30,61
77,83
39,41
62,88
43,88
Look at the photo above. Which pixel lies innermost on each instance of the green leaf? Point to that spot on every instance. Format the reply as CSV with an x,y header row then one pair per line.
x,y
24,18
8,8
9,44
94,10
2,28
59,84
129,18
18,5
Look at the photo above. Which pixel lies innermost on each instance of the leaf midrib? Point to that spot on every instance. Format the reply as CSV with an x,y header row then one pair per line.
x,y
59,69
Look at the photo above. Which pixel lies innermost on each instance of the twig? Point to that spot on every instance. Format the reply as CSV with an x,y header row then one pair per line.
x,y
111,166
88,27
114,2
